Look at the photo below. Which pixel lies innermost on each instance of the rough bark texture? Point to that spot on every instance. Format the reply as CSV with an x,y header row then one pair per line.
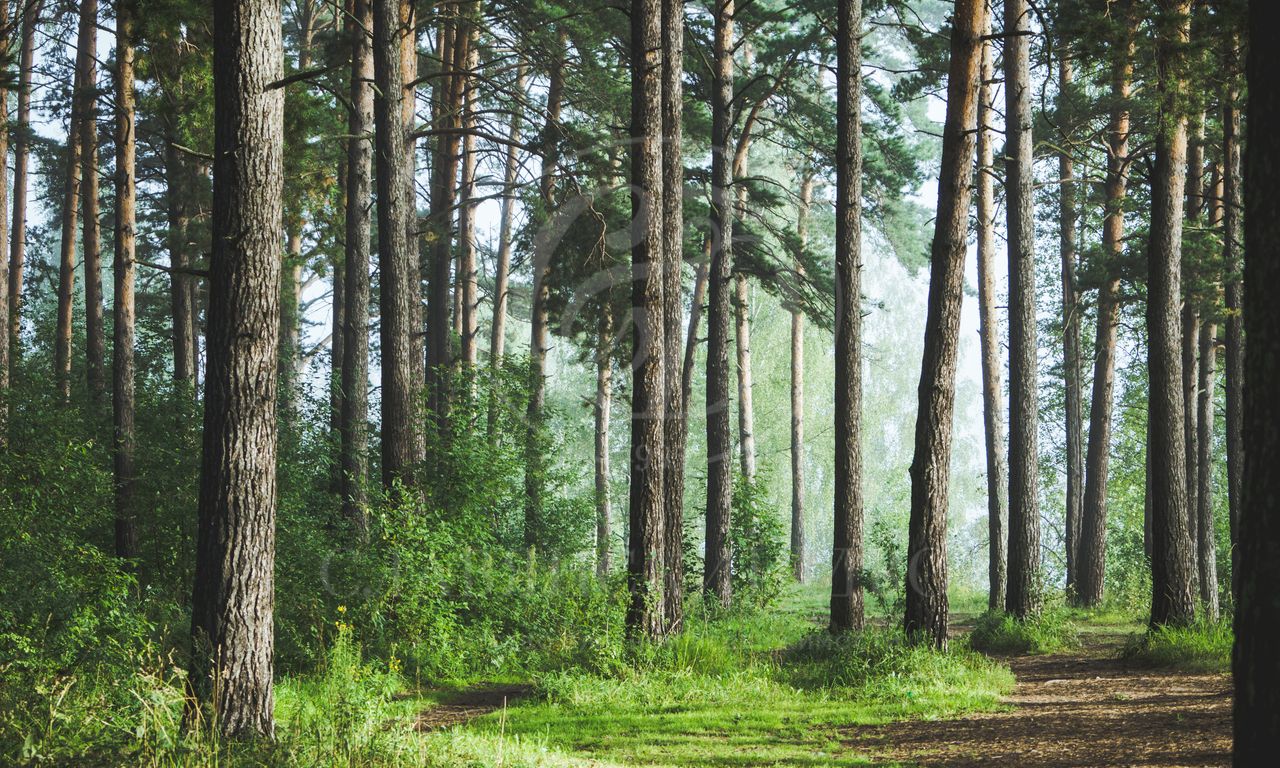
x,y
1092,554
67,252
715,575
797,395
989,338
534,470
4,240
1191,305
1067,215
676,426
1206,543
355,263
21,162
122,400
926,587
231,621
1256,665
846,558
1022,598
1233,291
645,547
91,240
398,291
602,406
1172,555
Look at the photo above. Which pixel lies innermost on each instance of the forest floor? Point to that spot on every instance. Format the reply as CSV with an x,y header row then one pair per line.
x,y
1082,707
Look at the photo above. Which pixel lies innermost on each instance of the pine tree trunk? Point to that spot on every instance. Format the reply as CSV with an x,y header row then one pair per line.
x,y
91,240
1207,546
846,560
538,320
603,404
67,252
21,162
398,293
1172,557
498,335
1256,665
355,263
715,575
231,619
926,588
676,427
797,394
989,338
1067,215
1022,598
122,373
648,410
290,312
1232,239
467,287
742,335
1092,556
181,299
1191,325
4,239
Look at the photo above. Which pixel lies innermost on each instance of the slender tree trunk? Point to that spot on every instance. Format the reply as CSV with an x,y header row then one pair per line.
x,y
846,560
715,576
746,407
1067,215
538,321
4,236
398,292
926,588
122,400
181,299
67,250
648,410
91,241
467,287
797,394
355,263
1092,556
1191,323
290,312
338,321
231,620
1022,598
1207,543
1173,557
695,318
603,403
1232,238
1256,665
989,337
498,336
675,426
21,161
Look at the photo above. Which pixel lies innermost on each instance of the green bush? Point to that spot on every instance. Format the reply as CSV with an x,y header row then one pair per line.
x,y
1204,646
1048,632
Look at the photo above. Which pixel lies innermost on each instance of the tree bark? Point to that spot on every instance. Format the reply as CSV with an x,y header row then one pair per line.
x,y
797,393
846,560
1190,339
1067,215
676,427
181,291
498,335
1092,556
4,238
1233,290
648,410
1173,558
603,403
1207,543
398,291
122,390
746,406
67,250
21,161
716,560
989,338
926,588
467,287
91,241
355,263
234,583
1022,598
1256,665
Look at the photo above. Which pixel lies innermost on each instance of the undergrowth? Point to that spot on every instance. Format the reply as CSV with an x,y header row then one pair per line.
x,y
1049,631
1204,646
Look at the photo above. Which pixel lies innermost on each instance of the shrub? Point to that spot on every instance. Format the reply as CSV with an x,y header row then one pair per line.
x,y
1048,632
1204,646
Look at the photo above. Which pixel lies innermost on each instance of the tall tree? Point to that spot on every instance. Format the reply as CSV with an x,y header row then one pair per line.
x,y
122,400
715,576
67,245
231,616
1067,215
1093,515
676,424
989,337
926,587
355,263
1023,594
398,293
1206,543
1190,335
1256,666
21,160
645,545
91,241
467,288
797,392
5,35
846,559
1233,292
601,407
1173,558
742,348
511,171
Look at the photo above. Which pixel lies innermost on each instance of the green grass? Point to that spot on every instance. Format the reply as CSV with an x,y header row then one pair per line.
x,y
1204,646
1050,632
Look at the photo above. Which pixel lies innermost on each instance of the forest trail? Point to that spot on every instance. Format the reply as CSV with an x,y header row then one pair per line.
x,y
1083,708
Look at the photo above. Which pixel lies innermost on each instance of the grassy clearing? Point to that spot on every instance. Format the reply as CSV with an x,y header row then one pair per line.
x,y
1204,646
1050,632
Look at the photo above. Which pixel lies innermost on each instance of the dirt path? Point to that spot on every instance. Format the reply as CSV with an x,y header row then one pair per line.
x,y
1080,709
462,706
